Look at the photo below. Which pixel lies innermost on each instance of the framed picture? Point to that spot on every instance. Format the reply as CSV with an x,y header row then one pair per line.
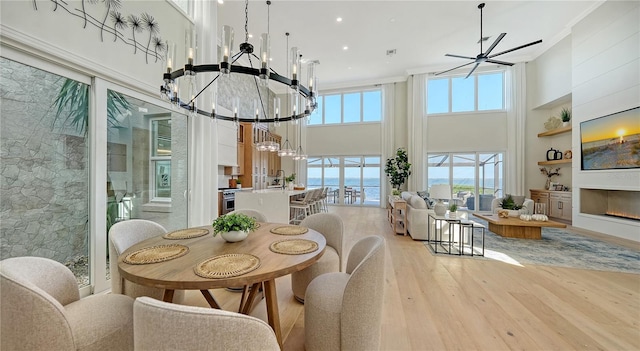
x,y
558,187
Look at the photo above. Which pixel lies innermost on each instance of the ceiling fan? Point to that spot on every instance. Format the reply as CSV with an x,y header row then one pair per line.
x,y
484,56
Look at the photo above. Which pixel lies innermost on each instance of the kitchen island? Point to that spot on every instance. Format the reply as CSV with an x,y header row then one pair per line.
x,y
273,203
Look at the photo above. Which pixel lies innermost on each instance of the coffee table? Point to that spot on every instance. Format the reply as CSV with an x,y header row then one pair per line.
x,y
513,227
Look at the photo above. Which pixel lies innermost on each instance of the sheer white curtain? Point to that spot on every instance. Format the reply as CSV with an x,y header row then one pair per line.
x,y
202,130
417,130
388,133
516,93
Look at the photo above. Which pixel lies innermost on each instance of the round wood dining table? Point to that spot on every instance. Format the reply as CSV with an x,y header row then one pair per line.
x,y
178,273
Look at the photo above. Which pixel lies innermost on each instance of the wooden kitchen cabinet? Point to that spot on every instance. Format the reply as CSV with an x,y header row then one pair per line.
x,y
256,165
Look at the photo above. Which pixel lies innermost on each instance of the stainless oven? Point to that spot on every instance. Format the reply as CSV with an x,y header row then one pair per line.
x,y
228,200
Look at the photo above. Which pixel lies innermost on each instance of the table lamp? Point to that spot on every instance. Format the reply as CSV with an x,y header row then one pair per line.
x,y
440,192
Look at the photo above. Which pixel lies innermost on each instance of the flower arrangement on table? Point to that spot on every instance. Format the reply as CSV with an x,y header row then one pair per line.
x,y
549,173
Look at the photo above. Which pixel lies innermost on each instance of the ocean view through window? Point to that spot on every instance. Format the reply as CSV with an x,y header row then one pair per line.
x,y
352,180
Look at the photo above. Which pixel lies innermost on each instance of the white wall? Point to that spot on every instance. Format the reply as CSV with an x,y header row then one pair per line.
x,y
548,91
467,132
606,79
344,140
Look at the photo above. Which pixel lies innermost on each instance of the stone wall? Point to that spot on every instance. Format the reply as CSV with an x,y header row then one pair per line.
x,y
43,170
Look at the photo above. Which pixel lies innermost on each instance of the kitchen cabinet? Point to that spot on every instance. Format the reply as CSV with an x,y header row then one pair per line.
x,y
227,144
257,165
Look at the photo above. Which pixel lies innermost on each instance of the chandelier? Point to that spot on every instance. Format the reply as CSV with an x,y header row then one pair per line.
x,y
263,74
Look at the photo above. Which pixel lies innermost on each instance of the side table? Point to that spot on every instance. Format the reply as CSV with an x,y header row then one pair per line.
x,y
397,214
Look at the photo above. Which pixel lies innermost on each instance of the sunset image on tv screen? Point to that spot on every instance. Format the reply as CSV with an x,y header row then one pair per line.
x,y
611,142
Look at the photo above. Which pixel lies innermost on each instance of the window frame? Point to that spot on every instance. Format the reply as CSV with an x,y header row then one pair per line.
x,y
342,93
476,103
153,160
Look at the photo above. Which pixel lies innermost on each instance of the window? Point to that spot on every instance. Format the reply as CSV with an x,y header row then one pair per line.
x,y
348,107
353,180
479,92
469,174
185,5
160,159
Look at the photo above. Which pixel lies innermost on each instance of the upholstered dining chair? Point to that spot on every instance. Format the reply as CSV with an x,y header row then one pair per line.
x,y
343,311
331,226
259,216
122,236
164,326
41,309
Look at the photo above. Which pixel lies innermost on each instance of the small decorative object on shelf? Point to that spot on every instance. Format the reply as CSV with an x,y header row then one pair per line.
x,y
549,173
565,115
539,217
552,123
234,226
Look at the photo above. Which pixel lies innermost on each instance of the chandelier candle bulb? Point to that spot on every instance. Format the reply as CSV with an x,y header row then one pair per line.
x,y
227,44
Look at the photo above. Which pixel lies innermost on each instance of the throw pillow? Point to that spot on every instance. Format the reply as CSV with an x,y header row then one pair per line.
x,y
425,196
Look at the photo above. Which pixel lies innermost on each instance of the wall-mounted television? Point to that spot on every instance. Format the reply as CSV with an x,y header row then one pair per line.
x,y
611,141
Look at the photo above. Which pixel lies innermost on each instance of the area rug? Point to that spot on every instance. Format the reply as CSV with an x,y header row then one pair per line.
x,y
558,247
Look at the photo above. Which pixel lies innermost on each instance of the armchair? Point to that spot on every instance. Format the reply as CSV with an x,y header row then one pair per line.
x,y
41,309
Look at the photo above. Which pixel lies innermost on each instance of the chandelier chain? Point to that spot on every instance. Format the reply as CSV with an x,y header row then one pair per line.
x,y
246,21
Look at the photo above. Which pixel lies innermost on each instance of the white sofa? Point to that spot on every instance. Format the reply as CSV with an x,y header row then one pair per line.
x,y
417,216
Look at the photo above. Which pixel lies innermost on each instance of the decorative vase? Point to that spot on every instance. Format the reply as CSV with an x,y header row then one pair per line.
x,y
234,236
291,185
565,124
452,214
548,184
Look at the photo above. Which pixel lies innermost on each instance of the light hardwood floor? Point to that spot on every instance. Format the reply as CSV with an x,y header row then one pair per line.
x,y
461,303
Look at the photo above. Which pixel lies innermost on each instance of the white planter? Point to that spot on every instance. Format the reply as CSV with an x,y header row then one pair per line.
x,y
565,124
234,236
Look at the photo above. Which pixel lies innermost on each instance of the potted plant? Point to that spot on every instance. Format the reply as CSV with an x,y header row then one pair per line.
x,y
453,208
233,226
565,116
510,205
289,180
239,183
398,168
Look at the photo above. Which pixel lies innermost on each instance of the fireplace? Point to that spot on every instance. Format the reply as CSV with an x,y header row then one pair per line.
x,y
623,204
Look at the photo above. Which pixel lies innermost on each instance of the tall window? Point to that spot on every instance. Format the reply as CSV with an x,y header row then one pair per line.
x,y
353,180
44,179
348,107
479,92
475,178
160,159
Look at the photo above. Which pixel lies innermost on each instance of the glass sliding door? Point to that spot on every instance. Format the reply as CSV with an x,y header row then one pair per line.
x,y
353,180
147,174
44,173
475,178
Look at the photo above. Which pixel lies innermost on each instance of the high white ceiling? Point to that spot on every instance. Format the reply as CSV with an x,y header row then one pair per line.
x,y
421,32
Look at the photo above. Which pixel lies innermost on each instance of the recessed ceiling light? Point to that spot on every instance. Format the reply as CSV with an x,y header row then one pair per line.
x,y
348,67
392,20
345,48
250,35
220,1
339,19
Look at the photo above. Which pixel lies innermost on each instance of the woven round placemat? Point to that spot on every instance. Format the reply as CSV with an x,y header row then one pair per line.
x,y
155,254
293,246
289,230
186,233
226,266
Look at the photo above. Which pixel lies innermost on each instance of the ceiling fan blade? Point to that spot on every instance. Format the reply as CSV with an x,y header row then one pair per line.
x,y
473,69
463,57
495,43
517,48
454,68
499,62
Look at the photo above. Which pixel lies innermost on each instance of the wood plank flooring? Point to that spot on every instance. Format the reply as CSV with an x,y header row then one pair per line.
x,y
461,303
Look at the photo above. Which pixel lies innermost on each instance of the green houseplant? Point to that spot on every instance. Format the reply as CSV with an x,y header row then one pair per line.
x,y
565,116
233,226
398,168
509,204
